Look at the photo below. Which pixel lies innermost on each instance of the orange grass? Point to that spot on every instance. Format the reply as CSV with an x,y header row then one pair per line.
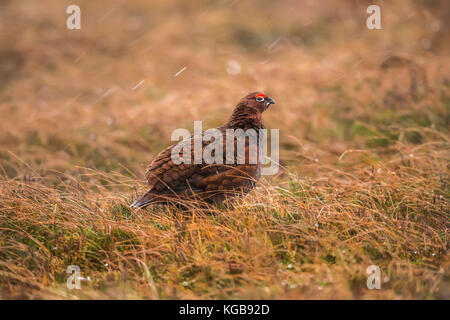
x,y
363,118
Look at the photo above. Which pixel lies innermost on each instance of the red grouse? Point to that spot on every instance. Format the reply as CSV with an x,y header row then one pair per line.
x,y
233,172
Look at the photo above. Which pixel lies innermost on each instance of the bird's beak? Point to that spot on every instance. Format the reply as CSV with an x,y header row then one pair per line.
x,y
269,102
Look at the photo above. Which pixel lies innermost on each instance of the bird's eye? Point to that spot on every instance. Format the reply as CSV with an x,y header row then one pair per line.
x,y
260,97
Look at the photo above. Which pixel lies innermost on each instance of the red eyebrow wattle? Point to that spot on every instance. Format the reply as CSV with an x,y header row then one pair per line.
x,y
260,95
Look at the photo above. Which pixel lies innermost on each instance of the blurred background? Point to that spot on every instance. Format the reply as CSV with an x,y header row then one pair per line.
x,y
364,130
109,93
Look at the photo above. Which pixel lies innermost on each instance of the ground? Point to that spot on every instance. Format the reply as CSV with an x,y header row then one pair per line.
x,y
364,147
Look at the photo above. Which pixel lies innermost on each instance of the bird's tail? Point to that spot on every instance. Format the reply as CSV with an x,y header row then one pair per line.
x,y
144,201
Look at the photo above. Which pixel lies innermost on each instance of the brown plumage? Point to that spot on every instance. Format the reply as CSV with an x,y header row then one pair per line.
x,y
172,183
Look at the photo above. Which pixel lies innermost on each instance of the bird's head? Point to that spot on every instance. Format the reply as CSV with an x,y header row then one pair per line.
x,y
248,111
258,100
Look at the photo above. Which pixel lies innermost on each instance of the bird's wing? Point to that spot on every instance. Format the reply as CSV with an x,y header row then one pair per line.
x,y
163,174
165,177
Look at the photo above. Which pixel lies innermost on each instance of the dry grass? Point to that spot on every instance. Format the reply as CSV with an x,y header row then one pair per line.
x,y
363,118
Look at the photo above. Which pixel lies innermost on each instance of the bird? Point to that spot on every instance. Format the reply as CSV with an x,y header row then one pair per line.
x,y
175,182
